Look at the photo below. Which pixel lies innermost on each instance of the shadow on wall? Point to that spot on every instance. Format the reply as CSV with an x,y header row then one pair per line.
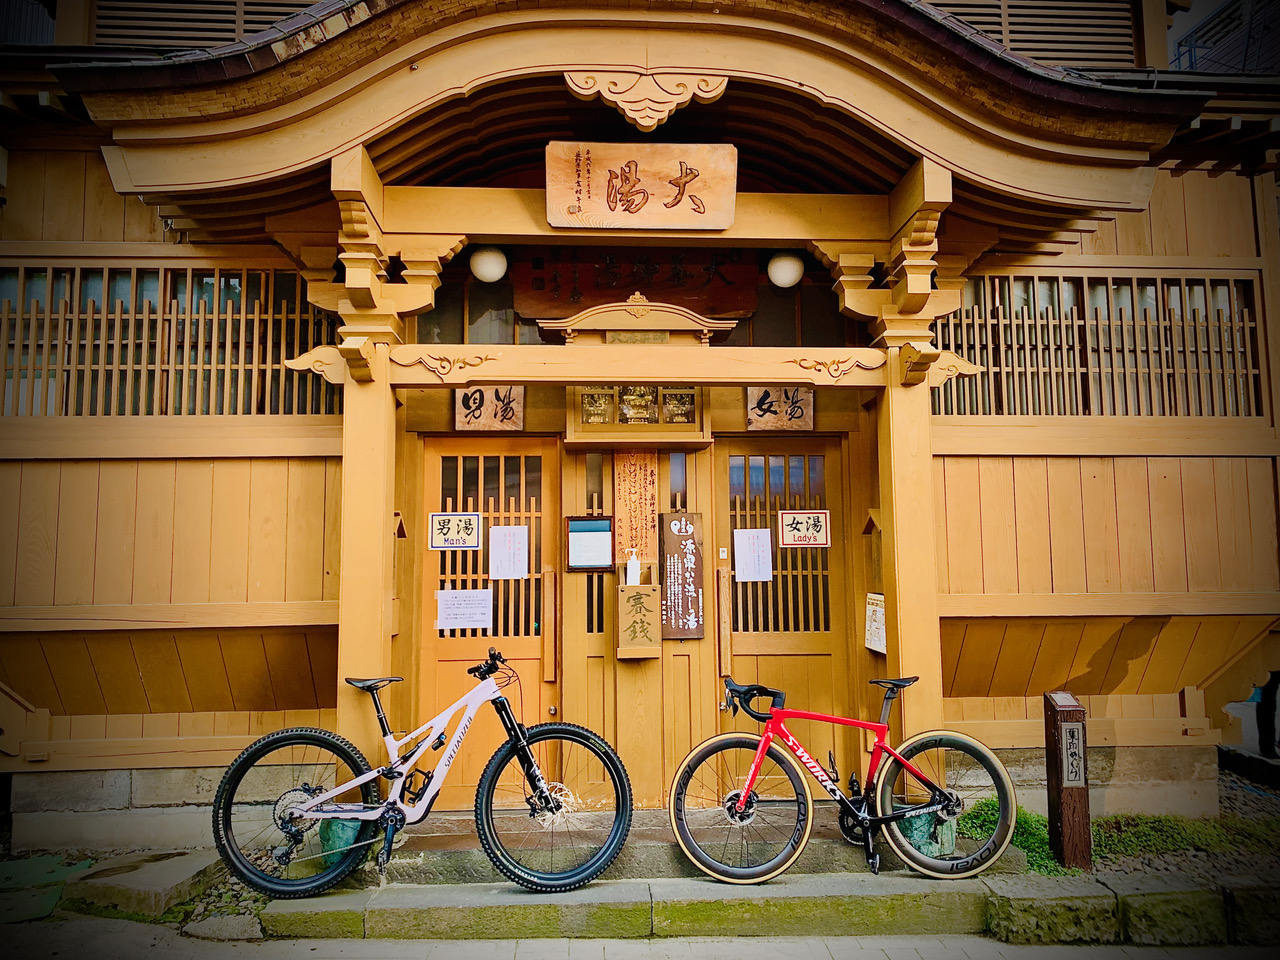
x,y
1108,668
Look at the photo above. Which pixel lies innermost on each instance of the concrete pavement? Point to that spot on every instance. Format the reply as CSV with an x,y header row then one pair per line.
x,y
71,937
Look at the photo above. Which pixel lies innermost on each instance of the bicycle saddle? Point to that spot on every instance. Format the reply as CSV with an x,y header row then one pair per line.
x,y
369,686
897,684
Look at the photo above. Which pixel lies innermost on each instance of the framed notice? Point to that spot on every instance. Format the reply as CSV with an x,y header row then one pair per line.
x,y
779,408
589,541
464,609
876,639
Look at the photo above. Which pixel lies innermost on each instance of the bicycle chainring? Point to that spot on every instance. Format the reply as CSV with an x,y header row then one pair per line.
x,y
851,829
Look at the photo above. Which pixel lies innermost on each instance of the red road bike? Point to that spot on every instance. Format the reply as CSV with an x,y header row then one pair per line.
x,y
742,812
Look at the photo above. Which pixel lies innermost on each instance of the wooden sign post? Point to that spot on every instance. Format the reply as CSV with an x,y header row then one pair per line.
x,y
1066,778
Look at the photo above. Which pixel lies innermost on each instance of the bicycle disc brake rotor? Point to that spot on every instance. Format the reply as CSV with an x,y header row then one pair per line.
x,y
564,804
733,814
954,807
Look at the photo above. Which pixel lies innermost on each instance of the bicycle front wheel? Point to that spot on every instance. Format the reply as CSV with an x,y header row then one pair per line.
x,y
280,854
568,835
976,825
753,844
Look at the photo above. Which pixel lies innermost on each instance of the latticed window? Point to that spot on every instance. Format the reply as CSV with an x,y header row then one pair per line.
x,y
1107,345
130,341
190,24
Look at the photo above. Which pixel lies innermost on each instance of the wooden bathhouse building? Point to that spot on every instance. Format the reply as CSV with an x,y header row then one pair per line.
x,y
889,338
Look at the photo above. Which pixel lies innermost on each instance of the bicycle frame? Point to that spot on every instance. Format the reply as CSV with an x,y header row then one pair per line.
x,y
776,729
321,807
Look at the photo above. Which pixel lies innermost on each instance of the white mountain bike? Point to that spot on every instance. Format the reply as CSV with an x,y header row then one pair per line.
x,y
298,810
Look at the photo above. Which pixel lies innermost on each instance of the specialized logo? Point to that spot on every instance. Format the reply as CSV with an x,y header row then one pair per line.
x,y
812,765
457,741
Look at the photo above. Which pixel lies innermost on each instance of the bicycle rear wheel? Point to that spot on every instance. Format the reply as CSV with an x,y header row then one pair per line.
x,y
571,835
764,838
977,824
278,854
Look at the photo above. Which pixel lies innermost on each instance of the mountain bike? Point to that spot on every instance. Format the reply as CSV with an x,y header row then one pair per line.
x,y
741,808
299,809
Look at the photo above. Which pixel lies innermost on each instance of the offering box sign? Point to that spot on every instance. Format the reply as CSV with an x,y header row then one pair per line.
x,y
641,186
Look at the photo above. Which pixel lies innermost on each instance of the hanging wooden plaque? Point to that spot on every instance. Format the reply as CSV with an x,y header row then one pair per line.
x,y
779,408
489,408
680,554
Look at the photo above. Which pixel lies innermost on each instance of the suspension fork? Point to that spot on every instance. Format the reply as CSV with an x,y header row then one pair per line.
x,y
524,756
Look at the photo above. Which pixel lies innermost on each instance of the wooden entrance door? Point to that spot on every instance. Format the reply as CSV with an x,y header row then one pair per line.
x,y
509,482
793,631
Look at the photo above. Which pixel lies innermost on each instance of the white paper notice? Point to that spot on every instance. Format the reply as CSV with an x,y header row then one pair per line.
x,y
591,549
752,556
464,609
508,553
876,639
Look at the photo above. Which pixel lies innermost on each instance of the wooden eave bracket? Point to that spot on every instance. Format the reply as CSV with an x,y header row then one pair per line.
x,y
646,98
921,362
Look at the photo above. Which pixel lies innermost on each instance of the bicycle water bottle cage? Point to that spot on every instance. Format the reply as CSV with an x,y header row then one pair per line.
x,y
741,695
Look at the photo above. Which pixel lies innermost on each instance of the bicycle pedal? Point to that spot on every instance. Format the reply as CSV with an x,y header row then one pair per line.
x,y
873,862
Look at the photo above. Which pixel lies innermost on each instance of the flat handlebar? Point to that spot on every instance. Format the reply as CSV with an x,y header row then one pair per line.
x,y
482,671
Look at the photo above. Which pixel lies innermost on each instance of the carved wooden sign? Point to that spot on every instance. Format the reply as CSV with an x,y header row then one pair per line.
x,y
680,554
641,186
779,408
639,623
489,408
558,282
635,500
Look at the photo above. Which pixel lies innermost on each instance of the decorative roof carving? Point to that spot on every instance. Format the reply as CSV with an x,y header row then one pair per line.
x,y
645,99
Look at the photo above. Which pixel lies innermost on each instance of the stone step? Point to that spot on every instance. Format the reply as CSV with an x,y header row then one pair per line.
x,y
445,849
146,884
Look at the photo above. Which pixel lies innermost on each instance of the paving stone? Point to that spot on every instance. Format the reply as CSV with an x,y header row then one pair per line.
x,y
237,927
146,884
19,905
837,904
1036,909
1160,910
333,915
38,872
610,909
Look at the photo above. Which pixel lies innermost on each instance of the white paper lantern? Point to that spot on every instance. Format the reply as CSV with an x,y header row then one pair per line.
x,y
488,264
785,269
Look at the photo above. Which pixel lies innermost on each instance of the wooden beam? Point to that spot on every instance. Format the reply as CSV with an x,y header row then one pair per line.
x,y
136,438
146,616
1107,604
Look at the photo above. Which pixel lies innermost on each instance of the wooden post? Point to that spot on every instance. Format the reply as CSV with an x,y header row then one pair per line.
x,y
1066,778
907,534
368,545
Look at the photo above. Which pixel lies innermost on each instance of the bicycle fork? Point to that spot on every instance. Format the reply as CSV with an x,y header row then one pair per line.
x,y
524,756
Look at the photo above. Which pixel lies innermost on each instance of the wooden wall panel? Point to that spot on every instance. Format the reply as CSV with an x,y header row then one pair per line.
x,y
37,534
229,573
173,672
64,187
153,532
1168,216
117,504
77,532
268,504
1107,525
23,212
10,507
193,532
1094,656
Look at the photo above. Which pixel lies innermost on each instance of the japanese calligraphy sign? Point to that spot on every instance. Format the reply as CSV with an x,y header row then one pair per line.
x,y
639,621
453,531
638,186
779,408
804,528
1073,754
680,553
489,408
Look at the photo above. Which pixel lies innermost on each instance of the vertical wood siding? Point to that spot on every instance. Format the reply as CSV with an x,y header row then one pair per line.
x,y
1106,525
168,531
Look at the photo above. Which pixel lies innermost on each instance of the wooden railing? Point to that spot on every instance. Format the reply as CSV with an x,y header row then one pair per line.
x,y
170,342
1107,345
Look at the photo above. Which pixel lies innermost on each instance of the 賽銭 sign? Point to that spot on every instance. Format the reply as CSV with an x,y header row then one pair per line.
x,y
680,554
453,531
804,528
641,186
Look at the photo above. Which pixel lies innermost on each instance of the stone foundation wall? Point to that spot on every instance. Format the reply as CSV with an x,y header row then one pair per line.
x,y
1179,780
114,809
